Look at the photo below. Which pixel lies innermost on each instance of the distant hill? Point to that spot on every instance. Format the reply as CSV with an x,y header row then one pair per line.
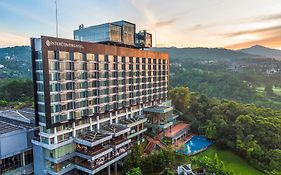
x,y
15,62
263,51
204,53
20,53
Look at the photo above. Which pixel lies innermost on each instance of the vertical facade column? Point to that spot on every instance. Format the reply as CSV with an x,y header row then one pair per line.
x,y
91,124
108,170
115,168
110,118
127,116
98,122
74,131
116,118
56,136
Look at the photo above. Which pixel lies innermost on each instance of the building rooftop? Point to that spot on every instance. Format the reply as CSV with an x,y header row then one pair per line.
x,y
158,109
115,129
93,136
8,127
23,117
133,121
174,130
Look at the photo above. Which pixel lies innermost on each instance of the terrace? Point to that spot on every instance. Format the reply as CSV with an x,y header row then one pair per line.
x,y
131,122
92,153
93,166
93,138
115,130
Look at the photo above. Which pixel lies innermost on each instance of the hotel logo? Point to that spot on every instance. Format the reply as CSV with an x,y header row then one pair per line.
x,y
63,44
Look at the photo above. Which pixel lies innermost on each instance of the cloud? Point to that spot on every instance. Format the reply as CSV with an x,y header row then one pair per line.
x,y
195,27
273,42
267,18
9,39
261,31
164,23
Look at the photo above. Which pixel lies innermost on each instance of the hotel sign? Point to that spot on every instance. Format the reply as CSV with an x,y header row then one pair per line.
x,y
63,44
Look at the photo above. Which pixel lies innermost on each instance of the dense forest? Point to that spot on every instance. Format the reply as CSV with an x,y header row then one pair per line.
x,y
252,132
16,93
245,80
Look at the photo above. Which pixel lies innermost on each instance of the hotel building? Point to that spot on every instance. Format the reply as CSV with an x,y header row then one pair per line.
x,y
89,101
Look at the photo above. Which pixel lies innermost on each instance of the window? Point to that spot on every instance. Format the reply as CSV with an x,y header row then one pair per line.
x,y
51,54
105,66
39,76
115,59
96,57
106,58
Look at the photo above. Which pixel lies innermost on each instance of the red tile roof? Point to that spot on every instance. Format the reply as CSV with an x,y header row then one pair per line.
x,y
174,130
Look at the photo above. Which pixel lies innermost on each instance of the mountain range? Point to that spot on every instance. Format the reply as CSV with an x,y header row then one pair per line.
x,y
263,51
16,61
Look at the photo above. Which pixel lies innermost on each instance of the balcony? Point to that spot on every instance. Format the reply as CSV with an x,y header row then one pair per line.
x,y
92,153
64,169
137,133
93,167
119,142
163,125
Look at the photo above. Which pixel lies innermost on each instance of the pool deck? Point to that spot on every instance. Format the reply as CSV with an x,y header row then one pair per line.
x,y
181,142
188,138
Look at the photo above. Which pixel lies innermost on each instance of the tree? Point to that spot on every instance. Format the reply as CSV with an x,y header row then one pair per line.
x,y
167,171
213,165
134,171
134,159
16,89
268,90
181,97
211,130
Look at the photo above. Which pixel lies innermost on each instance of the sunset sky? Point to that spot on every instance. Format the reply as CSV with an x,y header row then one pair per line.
x,y
181,23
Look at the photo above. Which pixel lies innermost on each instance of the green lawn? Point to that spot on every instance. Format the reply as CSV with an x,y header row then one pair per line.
x,y
260,91
234,162
276,90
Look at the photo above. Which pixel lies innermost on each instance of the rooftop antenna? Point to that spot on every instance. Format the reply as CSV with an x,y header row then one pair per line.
x,y
57,29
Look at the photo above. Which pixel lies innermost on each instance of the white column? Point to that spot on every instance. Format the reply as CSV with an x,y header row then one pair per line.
x,y
98,122
127,114
109,170
56,136
116,118
74,131
91,123
110,118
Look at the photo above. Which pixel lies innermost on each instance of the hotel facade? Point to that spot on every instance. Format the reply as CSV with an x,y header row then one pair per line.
x,y
89,101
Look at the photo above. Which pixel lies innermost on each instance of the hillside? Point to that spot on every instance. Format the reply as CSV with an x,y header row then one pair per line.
x,y
263,51
15,62
204,53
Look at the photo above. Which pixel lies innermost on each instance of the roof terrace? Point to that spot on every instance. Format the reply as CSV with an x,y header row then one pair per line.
x,y
93,138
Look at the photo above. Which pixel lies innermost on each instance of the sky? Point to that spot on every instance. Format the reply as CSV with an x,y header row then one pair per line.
x,y
231,24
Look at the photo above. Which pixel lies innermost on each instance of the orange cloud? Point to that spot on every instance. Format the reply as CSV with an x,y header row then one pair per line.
x,y
272,42
268,30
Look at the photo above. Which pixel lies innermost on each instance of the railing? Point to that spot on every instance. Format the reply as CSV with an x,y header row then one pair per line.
x,y
92,152
87,164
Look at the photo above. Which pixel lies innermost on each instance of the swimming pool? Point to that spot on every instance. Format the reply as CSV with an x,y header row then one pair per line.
x,y
195,145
